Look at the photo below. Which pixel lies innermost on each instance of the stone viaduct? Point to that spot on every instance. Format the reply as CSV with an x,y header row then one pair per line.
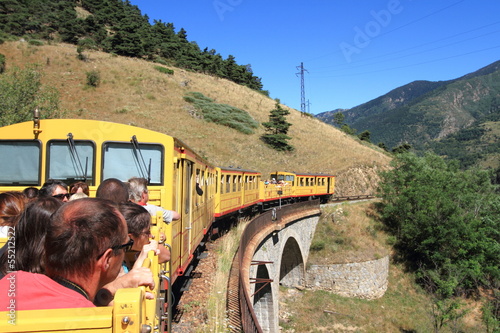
x,y
276,249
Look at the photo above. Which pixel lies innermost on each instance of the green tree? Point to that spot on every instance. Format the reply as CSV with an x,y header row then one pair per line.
x,y
21,92
364,136
446,222
277,129
403,148
338,118
347,129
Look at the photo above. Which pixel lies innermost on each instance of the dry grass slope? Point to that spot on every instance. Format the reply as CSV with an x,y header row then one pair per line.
x,y
132,91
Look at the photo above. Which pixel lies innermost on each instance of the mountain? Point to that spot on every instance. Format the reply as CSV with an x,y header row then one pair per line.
x,y
433,115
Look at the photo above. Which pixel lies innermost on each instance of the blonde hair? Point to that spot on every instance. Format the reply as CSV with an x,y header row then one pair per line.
x,y
78,195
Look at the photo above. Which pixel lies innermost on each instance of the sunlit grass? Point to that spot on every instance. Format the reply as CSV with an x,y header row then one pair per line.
x,y
216,303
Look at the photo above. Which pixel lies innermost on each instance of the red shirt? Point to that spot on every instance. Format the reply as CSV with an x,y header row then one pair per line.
x,y
30,291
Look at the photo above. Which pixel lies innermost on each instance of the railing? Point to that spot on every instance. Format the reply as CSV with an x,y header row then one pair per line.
x,y
263,224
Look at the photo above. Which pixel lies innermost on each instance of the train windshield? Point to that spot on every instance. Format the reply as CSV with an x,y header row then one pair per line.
x,y
20,162
124,161
70,160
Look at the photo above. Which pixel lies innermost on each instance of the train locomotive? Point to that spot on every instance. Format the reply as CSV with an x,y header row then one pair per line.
x,y
179,179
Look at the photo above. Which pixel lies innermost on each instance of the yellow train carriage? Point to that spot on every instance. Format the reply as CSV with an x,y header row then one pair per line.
x,y
301,185
237,189
280,186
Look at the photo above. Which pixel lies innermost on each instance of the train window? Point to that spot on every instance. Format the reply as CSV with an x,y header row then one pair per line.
x,y
228,184
121,160
71,161
20,162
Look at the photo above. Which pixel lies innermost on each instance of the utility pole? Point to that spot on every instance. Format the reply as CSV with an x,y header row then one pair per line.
x,y
309,107
302,89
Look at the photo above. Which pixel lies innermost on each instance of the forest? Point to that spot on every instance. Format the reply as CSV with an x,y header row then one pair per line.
x,y
117,27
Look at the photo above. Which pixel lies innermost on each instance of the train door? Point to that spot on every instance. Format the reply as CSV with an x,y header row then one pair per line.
x,y
187,214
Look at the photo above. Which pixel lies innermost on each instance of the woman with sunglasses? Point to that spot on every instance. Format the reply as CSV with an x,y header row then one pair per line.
x,y
56,189
138,222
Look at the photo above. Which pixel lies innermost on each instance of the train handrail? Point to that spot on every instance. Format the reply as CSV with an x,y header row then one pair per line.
x,y
251,237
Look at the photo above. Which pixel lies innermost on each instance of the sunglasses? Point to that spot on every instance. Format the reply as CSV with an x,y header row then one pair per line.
x,y
127,246
62,196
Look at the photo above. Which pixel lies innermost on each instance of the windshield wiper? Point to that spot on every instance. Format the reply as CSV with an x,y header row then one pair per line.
x,y
74,155
145,170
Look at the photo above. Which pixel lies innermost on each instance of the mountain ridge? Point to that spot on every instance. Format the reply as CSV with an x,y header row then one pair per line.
x,y
424,112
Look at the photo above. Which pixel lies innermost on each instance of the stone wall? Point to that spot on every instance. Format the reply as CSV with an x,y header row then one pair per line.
x,y
367,280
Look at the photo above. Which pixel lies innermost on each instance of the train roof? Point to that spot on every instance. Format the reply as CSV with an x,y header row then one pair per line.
x,y
238,169
304,174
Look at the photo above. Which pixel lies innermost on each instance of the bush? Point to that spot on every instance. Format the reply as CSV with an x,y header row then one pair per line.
x,y
93,78
318,245
35,42
164,70
2,63
222,114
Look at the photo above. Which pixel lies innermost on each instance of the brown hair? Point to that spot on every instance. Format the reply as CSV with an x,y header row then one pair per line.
x,y
30,236
11,206
73,188
137,217
79,232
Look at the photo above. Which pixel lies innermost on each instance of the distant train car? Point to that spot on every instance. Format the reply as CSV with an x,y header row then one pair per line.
x,y
236,190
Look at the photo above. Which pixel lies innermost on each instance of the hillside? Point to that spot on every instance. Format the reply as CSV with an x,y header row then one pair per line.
x,y
132,91
425,113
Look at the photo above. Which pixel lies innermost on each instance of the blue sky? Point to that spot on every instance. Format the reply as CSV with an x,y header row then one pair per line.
x,y
353,50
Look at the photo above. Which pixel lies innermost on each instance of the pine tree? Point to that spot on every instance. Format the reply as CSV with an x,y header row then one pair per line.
x,y
277,129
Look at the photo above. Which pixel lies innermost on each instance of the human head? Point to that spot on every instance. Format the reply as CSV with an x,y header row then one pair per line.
x,y
138,223
138,189
113,189
82,234
30,235
79,187
54,188
11,206
31,193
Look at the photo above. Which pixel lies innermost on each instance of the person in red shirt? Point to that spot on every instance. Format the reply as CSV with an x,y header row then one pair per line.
x,y
84,249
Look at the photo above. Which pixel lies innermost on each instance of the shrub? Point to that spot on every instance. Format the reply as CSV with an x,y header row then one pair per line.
x,y
318,245
2,63
35,42
222,114
164,70
93,78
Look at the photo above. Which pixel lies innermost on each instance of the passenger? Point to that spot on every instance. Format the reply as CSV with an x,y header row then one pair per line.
x,y
78,195
31,193
113,189
30,237
139,194
139,226
56,189
79,187
84,248
11,206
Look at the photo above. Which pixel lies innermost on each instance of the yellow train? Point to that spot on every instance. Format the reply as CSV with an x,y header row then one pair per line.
x,y
88,150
